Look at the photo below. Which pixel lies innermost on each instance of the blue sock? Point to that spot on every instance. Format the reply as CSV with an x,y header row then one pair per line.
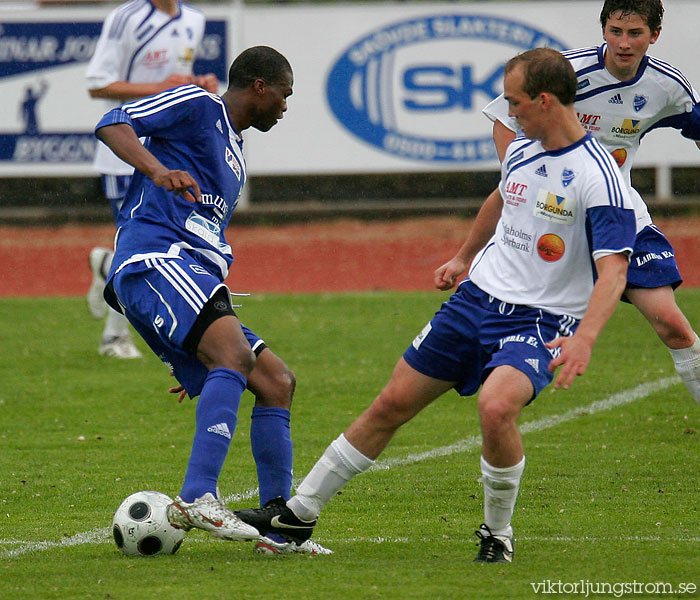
x,y
216,418
271,444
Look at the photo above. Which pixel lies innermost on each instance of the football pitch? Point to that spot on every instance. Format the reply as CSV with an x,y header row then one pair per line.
x,y
609,503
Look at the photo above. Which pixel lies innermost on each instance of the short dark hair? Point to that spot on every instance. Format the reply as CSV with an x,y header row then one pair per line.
x,y
546,70
258,62
652,11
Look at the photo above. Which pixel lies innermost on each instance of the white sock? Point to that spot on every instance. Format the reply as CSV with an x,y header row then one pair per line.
x,y
501,487
687,362
339,464
117,325
107,264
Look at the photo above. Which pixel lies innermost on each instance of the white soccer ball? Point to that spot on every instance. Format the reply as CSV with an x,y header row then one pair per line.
x,y
140,526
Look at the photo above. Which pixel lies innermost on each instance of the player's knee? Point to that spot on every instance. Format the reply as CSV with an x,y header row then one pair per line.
x,y
281,389
674,330
495,413
389,412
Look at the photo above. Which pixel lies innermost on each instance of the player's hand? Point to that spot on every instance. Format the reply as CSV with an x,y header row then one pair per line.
x,y
175,80
446,276
180,183
574,358
209,82
179,390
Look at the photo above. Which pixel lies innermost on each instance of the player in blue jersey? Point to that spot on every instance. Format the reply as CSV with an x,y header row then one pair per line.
x,y
529,305
622,95
170,262
145,47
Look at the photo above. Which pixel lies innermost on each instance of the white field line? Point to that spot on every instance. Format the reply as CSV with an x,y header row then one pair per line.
x,y
103,534
641,391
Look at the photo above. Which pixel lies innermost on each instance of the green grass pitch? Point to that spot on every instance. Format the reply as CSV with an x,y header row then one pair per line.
x,y
610,494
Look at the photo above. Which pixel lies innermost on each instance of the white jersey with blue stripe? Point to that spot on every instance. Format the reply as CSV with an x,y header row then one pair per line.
x,y
188,129
141,44
562,210
619,113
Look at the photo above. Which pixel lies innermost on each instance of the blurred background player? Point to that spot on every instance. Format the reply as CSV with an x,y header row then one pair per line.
x,y
170,263
622,95
145,47
529,306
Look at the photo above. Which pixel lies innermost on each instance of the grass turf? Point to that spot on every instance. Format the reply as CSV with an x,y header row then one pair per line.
x,y
608,497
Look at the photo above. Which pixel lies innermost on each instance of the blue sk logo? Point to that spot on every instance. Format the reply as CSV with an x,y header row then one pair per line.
x,y
567,176
640,102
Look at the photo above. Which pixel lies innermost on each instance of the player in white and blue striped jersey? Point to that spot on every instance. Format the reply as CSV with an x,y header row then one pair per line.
x,y
145,47
529,306
622,95
171,259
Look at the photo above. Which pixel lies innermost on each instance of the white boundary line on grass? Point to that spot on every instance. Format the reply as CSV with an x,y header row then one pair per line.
x,y
102,534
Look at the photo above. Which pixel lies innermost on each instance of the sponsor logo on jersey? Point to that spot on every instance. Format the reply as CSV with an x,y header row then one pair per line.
x,y
640,102
542,171
518,338
414,88
550,247
555,208
589,122
616,99
516,239
203,228
233,163
649,256
515,193
627,128
620,156
584,83
219,204
155,59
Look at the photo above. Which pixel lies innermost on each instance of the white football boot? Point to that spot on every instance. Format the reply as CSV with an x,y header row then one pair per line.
x,y
212,515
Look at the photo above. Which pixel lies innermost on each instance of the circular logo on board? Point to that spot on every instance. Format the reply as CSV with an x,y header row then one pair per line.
x,y
415,88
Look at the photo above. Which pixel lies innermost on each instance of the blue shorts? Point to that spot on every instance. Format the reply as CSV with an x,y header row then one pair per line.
x,y
162,298
653,262
473,333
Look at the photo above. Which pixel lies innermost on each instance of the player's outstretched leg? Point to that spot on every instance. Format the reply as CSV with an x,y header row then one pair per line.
x,y
277,517
659,307
209,513
273,384
198,504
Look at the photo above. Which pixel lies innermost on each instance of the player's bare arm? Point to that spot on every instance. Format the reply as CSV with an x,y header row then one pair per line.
x,y
124,90
208,82
122,140
502,137
576,350
447,275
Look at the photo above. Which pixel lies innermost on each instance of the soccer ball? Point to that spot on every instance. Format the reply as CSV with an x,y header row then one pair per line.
x,y
140,526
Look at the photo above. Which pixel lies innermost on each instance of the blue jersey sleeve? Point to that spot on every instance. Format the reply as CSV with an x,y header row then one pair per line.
x,y
173,114
688,123
611,229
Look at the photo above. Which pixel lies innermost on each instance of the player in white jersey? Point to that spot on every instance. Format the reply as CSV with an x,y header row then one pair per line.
x,y
145,47
622,95
529,306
